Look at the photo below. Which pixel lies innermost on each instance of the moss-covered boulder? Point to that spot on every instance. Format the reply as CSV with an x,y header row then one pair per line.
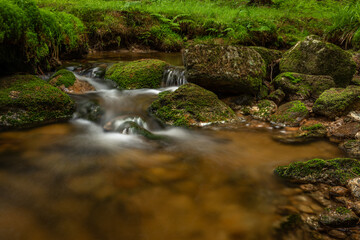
x,y
144,73
225,69
299,86
66,81
277,96
315,57
63,77
27,101
337,102
272,58
190,105
334,171
290,114
262,110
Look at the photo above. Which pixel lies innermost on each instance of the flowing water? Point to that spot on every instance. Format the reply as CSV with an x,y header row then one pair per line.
x,y
77,181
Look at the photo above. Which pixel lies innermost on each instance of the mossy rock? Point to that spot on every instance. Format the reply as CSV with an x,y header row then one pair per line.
x,y
63,77
334,171
337,102
225,69
277,96
290,114
339,217
27,101
304,134
269,55
315,57
262,110
352,148
190,105
303,87
144,73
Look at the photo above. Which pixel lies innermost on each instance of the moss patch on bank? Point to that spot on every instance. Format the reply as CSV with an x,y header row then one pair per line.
x,y
334,171
28,101
63,77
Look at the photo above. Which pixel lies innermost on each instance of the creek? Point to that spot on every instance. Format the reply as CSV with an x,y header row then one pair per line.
x,y
76,181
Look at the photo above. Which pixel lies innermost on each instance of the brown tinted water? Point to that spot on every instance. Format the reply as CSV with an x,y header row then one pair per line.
x,y
75,181
57,183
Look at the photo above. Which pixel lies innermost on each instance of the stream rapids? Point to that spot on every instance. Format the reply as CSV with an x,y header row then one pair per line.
x,y
75,180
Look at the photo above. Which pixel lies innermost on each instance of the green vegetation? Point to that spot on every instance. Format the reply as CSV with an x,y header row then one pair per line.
x,y
145,73
290,113
32,37
317,126
63,77
28,101
335,171
190,105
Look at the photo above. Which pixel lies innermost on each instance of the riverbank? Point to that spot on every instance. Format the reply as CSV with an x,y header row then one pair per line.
x,y
55,30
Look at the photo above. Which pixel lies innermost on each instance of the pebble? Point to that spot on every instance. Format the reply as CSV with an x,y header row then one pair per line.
x,y
308,187
338,191
337,234
354,186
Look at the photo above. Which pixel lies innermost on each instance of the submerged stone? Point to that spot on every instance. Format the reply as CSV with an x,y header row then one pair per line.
x,y
334,171
190,105
27,101
225,69
290,114
144,73
337,102
315,57
301,86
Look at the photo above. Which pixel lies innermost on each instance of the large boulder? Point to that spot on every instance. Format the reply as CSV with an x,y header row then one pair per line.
x,y
299,86
315,57
225,69
144,73
27,101
337,102
190,105
290,114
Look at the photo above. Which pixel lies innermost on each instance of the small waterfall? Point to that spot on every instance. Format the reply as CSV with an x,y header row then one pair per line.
x,y
174,76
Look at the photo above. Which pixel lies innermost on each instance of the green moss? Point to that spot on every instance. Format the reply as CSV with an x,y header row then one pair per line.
x,y
335,171
337,101
27,101
290,113
190,105
145,73
313,127
342,210
291,77
63,77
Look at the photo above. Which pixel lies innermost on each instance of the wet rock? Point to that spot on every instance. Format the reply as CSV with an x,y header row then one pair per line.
x,y
305,209
337,234
338,191
277,96
144,73
271,58
308,187
225,69
62,77
354,116
339,217
190,105
337,102
263,110
352,148
333,172
291,113
80,87
355,206
341,130
304,134
321,199
354,186
90,111
315,57
21,97
303,87
287,210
